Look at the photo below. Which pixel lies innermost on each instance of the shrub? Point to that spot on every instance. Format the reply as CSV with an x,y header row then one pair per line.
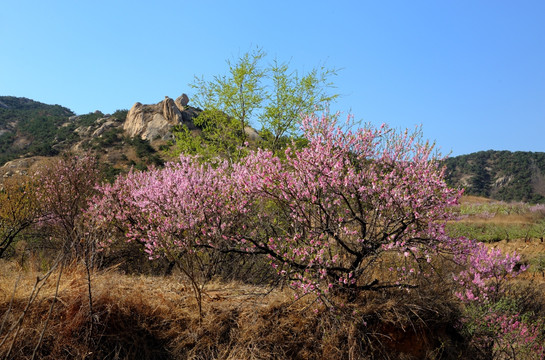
x,y
324,216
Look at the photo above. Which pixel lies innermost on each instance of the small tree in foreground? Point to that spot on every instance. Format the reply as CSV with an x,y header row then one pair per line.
x,y
18,209
63,189
352,211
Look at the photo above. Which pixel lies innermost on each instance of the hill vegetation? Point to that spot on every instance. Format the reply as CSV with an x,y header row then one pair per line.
x,y
500,175
30,128
33,130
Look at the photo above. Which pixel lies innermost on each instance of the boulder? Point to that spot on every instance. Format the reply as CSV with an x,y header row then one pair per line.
x,y
152,122
108,124
21,166
252,134
182,101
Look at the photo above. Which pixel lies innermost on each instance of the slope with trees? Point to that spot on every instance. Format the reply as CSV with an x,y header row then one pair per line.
x,y
343,217
500,175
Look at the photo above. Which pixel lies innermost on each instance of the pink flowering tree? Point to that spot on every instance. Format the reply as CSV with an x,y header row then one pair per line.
x,y
180,212
485,272
63,189
500,331
493,319
326,216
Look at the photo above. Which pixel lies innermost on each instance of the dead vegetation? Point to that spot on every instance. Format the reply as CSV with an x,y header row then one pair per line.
x,y
144,317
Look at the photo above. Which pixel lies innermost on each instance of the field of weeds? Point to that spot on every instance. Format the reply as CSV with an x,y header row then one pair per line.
x,y
144,317
510,227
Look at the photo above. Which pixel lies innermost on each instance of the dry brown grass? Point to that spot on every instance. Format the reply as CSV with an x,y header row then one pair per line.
x,y
512,219
470,199
142,317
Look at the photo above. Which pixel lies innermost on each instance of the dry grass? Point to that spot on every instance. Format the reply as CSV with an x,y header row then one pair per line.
x,y
140,317
470,199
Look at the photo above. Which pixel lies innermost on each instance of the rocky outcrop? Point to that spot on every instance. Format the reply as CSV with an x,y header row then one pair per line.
x,y
252,134
20,166
105,124
152,122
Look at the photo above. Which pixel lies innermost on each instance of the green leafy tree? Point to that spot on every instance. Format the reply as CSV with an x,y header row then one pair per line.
x,y
273,96
220,137
292,96
238,94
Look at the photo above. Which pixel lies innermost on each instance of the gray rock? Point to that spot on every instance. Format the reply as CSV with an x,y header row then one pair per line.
x,y
105,126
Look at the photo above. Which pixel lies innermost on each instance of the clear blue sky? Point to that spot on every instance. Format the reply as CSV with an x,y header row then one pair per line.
x,y
471,72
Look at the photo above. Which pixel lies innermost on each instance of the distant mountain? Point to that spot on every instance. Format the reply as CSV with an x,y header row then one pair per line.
x,y
500,175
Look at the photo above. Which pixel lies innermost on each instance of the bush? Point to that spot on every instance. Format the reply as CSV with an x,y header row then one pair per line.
x,y
324,217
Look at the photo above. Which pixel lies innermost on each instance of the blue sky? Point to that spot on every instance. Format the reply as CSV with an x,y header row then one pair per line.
x,y
472,73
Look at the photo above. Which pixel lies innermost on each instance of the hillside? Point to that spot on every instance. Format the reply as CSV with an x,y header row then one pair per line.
x,y
500,175
29,129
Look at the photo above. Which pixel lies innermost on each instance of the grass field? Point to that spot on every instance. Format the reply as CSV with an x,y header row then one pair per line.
x,y
511,227
142,317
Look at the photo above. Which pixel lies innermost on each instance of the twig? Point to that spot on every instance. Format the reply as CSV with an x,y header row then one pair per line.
x,y
49,314
88,264
40,282
10,302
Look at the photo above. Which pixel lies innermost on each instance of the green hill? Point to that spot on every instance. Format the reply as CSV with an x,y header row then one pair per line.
x,y
500,175
30,128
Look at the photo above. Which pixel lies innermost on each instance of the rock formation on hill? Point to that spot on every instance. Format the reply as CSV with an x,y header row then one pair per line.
x,y
152,122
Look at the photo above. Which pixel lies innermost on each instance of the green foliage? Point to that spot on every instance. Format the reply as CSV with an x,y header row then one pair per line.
x,y
273,96
500,208
112,137
219,136
145,152
89,119
238,94
537,265
291,96
121,114
109,172
492,232
508,328
6,147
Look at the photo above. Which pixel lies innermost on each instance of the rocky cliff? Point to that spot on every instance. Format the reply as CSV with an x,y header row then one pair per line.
x,y
155,121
